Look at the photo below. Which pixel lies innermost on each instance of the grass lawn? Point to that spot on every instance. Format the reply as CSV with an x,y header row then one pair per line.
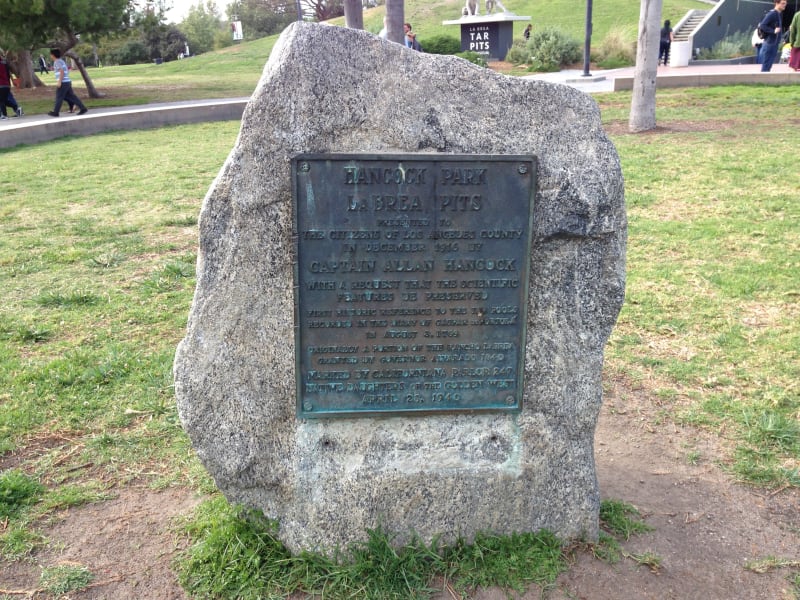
x,y
98,245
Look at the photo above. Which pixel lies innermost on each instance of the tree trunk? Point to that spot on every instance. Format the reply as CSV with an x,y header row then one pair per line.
x,y
394,21
91,90
22,66
69,44
353,14
643,101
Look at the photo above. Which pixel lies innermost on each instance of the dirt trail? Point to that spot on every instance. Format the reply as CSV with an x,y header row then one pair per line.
x,y
707,528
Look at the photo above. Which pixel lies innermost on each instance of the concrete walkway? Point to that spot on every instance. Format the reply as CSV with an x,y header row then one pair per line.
x,y
615,80
41,128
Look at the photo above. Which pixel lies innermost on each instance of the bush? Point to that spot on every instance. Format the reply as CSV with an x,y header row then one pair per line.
x,y
441,44
86,52
551,49
474,58
130,53
618,49
518,54
732,46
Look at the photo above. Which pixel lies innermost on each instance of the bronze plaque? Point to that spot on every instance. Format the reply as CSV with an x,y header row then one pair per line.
x,y
411,282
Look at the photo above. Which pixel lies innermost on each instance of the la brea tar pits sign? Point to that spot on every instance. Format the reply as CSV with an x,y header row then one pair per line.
x,y
479,38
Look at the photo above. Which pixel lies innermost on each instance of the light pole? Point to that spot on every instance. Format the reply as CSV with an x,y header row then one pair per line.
x,y
587,44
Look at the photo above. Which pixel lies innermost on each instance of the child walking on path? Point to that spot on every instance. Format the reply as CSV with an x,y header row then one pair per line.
x,y
64,86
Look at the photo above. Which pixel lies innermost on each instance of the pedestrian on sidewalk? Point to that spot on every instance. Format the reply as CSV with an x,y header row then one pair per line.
x,y
5,86
11,102
771,24
794,42
63,85
667,37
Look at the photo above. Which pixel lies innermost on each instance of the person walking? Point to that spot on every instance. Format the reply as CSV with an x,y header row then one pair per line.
x,y
794,42
42,65
63,85
5,86
771,24
667,37
11,102
527,33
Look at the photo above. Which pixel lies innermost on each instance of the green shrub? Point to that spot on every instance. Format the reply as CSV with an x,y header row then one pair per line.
x,y
473,57
551,49
618,49
732,46
518,54
130,53
441,44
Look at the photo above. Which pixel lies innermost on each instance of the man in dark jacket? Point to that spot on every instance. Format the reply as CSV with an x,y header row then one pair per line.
x,y
772,25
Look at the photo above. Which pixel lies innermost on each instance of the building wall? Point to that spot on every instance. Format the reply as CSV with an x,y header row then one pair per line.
x,y
731,16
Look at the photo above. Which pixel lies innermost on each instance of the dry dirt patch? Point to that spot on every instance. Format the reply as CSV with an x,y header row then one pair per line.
x,y
128,544
707,527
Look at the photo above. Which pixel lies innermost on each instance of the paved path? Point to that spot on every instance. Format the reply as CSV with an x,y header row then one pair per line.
x,y
40,128
613,80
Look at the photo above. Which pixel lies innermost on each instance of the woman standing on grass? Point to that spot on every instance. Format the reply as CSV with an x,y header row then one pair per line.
x,y
794,42
63,85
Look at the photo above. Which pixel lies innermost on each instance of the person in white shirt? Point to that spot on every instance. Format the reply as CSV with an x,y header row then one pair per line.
x,y
63,85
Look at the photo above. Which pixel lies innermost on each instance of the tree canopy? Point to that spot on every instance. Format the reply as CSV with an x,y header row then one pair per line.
x,y
61,23
37,22
261,18
201,26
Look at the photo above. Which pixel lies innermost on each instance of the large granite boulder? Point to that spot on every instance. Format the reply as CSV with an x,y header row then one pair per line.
x,y
334,90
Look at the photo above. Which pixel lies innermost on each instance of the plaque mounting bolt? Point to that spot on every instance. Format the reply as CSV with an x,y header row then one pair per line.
x,y
308,407
522,169
305,167
510,400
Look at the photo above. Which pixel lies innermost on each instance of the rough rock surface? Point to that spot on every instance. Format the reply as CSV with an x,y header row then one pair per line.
x,y
329,89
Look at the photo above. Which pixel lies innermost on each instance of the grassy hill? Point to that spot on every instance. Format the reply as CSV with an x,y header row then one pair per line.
x,y
567,15
234,71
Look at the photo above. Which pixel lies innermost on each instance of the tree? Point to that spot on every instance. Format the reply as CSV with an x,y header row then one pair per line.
x,y
394,21
173,43
62,23
200,26
162,40
354,14
18,30
261,18
643,101
152,33
322,10
21,64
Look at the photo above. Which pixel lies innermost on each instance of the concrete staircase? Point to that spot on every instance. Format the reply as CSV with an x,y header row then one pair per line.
x,y
680,52
687,25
